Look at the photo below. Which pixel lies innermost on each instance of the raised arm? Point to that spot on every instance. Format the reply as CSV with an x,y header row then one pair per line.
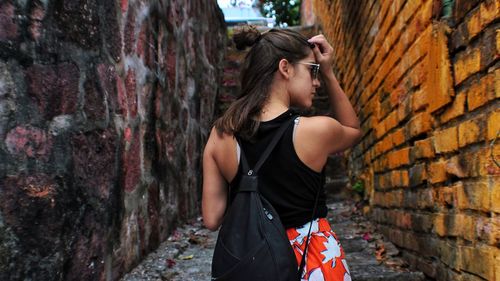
x,y
327,135
340,105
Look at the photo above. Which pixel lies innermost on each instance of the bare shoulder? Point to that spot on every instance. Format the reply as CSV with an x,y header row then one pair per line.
x,y
218,140
328,134
220,148
320,126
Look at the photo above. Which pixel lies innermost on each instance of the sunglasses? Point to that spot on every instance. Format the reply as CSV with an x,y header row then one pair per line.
x,y
314,69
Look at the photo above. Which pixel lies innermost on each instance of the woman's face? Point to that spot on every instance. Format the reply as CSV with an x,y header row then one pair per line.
x,y
303,83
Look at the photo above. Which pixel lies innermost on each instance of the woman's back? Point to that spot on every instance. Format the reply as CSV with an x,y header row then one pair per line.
x,y
287,183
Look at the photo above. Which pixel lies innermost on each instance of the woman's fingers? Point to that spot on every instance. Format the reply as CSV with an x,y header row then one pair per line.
x,y
323,52
317,53
323,44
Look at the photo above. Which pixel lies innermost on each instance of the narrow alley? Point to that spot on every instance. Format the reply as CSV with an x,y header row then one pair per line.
x,y
106,107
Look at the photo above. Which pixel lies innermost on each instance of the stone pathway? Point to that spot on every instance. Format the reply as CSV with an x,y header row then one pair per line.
x,y
187,254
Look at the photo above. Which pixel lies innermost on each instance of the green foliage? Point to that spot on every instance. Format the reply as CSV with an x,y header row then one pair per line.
x,y
286,12
358,187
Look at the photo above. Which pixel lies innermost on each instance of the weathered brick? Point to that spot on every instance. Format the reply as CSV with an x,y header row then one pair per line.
x,y
398,94
379,199
419,124
450,254
417,174
469,132
462,7
422,222
456,167
391,121
493,124
495,194
425,198
423,149
485,160
403,220
474,196
419,100
480,162
399,157
395,198
384,145
459,38
497,265
440,83
474,24
487,256
404,109
379,165
398,137
446,140
446,196
489,11
379,130
456,109
488,229
497,71
481,92
467,63
448,224
488,48
437,171
468,227
399,178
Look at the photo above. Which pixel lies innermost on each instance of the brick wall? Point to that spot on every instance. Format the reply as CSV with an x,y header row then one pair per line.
x,y
104,106
425,81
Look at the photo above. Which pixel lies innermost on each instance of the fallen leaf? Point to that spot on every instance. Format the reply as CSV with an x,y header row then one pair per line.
x,y
367,236
187,257
170,263
380,252
197,239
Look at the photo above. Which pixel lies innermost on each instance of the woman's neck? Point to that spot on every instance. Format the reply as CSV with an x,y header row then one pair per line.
x,y
272,108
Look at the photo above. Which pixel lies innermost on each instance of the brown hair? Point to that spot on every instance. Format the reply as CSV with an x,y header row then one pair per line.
x,y
257,73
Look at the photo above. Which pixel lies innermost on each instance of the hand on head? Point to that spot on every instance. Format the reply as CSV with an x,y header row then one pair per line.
x,y
323,52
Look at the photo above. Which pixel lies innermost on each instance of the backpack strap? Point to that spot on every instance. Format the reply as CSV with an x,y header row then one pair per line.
x,y
304,254
267,152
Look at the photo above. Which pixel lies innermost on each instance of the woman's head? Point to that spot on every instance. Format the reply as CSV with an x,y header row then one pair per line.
x,y
258,71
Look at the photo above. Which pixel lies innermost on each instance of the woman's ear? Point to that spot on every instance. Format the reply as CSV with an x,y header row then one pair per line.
x,y
285,68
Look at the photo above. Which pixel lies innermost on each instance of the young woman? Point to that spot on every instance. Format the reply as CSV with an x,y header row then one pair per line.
x,y
281,71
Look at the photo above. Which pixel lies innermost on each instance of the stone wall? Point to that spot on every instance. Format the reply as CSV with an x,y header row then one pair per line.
x,y
424,77
104,107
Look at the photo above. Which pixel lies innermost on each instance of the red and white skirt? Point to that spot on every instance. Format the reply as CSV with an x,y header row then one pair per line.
x,y
325,258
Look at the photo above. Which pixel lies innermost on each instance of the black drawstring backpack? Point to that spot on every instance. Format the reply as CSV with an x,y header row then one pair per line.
x,y
252,244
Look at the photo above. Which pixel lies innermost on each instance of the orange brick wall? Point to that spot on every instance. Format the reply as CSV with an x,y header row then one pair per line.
x,y
427,91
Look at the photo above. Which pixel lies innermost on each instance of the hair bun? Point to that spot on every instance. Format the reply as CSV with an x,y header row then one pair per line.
x,y
246,36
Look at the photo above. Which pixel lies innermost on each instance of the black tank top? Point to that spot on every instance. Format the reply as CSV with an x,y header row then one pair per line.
x,y
288,184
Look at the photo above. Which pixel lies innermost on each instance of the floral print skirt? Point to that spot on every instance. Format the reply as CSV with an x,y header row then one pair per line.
x,y
325,259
